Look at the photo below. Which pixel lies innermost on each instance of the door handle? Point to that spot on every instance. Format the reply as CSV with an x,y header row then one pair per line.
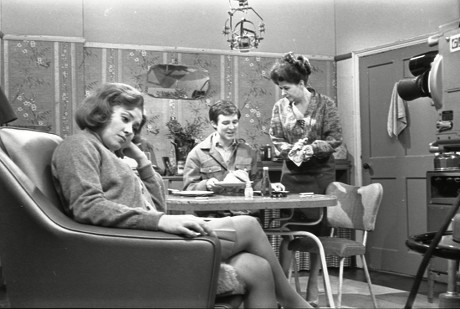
x,y
366,166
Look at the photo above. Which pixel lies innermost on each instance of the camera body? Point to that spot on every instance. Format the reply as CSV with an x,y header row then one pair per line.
x,y
437,75
445,88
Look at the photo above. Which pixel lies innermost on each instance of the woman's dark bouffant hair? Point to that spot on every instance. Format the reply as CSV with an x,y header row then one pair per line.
x,y
223,107
96,110
291,69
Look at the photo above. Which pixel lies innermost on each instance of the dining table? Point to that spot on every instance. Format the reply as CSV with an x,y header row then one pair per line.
x,y
190,201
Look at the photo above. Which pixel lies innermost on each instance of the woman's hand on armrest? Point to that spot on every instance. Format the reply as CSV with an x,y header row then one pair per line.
x,y
187,225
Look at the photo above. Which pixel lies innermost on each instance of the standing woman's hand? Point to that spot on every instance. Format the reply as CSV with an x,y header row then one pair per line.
x,y
278,186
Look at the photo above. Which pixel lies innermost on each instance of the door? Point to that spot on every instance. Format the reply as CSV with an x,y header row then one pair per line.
x,y
398,163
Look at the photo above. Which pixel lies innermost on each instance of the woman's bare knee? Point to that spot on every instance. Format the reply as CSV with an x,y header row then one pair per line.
x,y
247,224
246,220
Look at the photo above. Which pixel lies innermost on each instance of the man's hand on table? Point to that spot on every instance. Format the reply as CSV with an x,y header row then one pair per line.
x,y
211,184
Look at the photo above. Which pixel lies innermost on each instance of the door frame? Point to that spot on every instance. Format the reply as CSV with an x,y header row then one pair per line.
x,y
356,103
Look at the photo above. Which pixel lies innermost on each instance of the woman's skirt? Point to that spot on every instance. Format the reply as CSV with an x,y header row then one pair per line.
x,y
312,176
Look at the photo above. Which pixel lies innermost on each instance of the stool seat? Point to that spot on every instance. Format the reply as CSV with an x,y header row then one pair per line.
x,y
421,242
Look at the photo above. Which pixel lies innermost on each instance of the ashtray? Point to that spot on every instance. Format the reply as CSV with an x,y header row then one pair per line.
x,y
277,194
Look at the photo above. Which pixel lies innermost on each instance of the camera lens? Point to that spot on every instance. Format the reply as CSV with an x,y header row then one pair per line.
x,y
421,63
416,87
413,88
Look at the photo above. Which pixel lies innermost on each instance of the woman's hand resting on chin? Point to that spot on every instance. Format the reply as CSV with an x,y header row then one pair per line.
x,y
134,152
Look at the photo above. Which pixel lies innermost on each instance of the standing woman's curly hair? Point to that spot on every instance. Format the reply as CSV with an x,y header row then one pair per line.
x,y
291,69
96,110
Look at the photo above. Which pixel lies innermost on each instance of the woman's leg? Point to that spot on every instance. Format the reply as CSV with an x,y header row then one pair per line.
x,y
257,274
251,238
285,255
312,287
315,266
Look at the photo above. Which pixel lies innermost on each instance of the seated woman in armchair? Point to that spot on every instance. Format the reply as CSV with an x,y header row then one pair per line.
x,y
98,188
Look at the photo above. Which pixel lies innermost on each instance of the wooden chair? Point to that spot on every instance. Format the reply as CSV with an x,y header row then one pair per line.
x,y
357,210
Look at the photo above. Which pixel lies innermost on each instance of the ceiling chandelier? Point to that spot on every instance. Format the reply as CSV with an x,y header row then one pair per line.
x,y
243,35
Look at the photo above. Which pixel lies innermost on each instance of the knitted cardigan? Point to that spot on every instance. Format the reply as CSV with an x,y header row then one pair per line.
x,y
96,187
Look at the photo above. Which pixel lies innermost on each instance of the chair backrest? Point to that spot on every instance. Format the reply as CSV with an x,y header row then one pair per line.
x,y
357,207
32,151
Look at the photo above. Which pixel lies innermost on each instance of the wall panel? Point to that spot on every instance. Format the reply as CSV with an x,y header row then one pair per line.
x,y
46,79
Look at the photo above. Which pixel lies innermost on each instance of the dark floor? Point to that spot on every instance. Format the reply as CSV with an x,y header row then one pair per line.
x,y
3,299
379,278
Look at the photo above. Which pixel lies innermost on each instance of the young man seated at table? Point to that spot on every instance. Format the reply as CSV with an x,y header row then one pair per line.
x,y
221,157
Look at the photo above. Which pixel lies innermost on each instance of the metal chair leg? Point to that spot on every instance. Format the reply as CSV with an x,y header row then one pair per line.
x,y
368,278
339,297
296,273
327,282
430,282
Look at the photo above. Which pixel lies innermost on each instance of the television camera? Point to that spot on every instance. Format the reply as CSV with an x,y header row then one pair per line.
x,y
437,75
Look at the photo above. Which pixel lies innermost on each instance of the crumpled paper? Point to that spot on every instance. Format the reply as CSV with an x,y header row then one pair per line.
x,y
300,152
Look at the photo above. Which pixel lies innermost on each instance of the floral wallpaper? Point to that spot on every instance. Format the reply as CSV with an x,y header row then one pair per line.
x,y
256,99
41,80
30,78
46,80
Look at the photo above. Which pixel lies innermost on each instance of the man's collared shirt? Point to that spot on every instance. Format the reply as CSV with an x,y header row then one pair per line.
x,y
227,153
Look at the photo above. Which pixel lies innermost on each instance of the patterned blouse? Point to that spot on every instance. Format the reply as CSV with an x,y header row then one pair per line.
x,y
320,125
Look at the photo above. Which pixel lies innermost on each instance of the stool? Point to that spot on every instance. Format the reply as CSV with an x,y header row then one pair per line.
x,y
447,249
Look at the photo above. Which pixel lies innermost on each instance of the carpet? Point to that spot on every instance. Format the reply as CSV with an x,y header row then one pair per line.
x,y
355,294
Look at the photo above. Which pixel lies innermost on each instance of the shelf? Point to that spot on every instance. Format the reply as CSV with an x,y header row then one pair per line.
x,y
340,164
342,168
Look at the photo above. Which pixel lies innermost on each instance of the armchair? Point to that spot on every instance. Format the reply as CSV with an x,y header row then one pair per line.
x,y
49,260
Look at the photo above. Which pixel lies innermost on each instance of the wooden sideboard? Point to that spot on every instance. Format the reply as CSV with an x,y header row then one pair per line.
x,y
342,170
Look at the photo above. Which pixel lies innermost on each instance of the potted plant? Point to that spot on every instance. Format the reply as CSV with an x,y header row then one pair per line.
x,y
184,138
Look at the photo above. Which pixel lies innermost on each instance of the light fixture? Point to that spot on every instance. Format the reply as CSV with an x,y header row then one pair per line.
x,y
243,35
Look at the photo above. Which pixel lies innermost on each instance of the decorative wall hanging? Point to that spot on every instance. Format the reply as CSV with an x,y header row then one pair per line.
x,y
177,81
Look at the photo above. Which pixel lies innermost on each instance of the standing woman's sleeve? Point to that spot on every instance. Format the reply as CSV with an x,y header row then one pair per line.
x,y
331,136
277,135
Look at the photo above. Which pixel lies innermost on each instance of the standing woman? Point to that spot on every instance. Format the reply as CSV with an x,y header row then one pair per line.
x,y
305,129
